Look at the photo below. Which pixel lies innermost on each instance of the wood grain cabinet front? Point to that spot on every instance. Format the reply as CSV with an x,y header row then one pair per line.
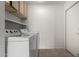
x,y
22,7
15,4
18,8
25,9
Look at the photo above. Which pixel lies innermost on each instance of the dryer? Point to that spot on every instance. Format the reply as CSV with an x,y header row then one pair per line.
x,y
22,46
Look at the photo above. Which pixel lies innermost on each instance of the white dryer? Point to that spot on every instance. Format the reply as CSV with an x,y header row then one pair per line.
x,y
23,46
18,47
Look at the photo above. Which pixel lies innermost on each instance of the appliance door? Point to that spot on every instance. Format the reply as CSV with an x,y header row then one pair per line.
x,y
18,48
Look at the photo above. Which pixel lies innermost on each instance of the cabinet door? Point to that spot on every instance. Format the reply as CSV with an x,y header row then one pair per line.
x,y
25,9
22,7
7,2
15,4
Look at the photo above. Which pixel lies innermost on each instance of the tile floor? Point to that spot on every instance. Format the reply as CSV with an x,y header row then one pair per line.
x,y
54,53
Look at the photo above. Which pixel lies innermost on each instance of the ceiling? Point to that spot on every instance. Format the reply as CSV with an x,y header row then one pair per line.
x,y
44,2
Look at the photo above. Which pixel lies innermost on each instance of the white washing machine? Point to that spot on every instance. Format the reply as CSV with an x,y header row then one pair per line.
x,y
18,47
22,46
10,33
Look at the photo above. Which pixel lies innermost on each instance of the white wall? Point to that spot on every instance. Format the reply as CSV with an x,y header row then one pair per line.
x,y
2,26
59,26
49,22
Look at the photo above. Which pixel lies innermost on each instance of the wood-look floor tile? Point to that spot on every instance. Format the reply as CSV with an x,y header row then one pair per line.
x,y
54,53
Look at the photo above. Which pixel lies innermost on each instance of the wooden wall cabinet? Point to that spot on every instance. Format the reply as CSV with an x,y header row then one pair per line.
x,y
18,8
9,7
15,4
23,8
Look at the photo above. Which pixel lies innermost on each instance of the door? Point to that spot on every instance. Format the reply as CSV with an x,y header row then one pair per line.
x,y
72,23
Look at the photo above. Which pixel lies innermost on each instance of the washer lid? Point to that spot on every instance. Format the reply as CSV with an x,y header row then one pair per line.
x,y
18,39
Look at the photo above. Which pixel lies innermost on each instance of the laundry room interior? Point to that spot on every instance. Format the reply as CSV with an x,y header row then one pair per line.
x,y
39,28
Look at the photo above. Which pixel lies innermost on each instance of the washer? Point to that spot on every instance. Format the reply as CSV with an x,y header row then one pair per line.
x,y
18,47
22,46
10,33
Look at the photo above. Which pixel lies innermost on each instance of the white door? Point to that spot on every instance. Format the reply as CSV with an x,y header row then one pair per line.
x,y
72,21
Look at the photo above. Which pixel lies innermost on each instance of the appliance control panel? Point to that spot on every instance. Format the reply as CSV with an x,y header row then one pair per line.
x,y
12,32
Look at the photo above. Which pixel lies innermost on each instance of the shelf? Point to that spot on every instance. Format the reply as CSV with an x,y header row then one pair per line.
x,y
13,11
